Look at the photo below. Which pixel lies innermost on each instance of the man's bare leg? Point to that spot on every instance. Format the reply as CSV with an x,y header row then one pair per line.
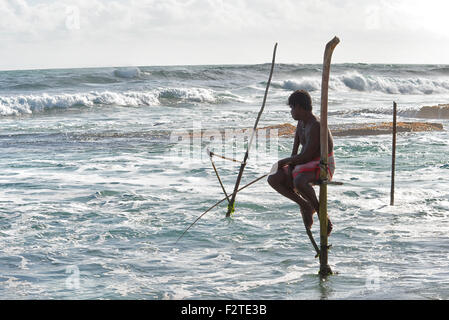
x,y
284,185
303,183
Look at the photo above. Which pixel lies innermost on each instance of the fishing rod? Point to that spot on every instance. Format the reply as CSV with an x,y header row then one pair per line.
x,y
242,166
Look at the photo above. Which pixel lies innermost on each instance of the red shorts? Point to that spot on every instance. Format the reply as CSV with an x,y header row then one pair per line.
x,y
313,166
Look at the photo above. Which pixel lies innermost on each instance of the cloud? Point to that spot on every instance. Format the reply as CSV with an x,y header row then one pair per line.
x,y
175,17
191,18
214,31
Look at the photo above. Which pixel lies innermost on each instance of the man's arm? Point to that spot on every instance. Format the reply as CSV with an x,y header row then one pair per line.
x,y
310,151
296,142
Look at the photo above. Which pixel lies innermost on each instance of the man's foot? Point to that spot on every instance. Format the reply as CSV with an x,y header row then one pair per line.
x,y
307,216
329,227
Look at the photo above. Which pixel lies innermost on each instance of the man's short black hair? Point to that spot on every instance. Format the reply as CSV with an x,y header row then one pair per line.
x,y
301,98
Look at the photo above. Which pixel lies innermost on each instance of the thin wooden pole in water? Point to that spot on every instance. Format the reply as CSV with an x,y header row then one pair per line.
x,y
393,157
324,266
218,176
242,166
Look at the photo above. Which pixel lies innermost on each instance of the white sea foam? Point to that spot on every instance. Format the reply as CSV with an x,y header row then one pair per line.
x,y
28,104
370,83
393,85
188,94
307,83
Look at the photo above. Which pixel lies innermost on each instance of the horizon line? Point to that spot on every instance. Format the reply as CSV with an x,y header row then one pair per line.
x,y
210,64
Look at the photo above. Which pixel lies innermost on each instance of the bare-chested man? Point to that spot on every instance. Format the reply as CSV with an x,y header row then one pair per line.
x,y
302,170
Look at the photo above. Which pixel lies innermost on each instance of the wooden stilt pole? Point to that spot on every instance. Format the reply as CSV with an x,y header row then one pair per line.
x,y
324,266
393,157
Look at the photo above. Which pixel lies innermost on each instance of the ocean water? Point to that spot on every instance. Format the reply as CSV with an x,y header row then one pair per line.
x,y
99,178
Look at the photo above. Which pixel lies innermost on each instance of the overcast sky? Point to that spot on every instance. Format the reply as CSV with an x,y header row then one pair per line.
x,y
89,33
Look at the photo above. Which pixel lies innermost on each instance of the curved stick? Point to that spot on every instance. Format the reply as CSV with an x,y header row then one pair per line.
x,y
312,239
218,176
223,157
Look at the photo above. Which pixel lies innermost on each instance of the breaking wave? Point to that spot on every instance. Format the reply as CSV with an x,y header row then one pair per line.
x,y
369,83
28,104
309,84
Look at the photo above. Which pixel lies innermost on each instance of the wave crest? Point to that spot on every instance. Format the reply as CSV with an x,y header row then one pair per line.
x,y
188,95
369,83
390,85
309,84
28,104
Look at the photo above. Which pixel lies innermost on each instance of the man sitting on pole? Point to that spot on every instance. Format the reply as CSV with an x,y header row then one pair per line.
x,y
300,171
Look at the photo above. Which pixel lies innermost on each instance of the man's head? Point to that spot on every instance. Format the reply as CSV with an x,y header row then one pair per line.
x,y
300,103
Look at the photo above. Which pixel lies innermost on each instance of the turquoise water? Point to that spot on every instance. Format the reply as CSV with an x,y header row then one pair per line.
x,y
93,198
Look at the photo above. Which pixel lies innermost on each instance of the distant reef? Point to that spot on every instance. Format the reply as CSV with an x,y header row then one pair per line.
x,y
363,129
440,111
